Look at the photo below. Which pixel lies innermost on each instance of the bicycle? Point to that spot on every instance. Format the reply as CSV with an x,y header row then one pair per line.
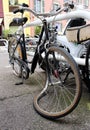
x,y
62,89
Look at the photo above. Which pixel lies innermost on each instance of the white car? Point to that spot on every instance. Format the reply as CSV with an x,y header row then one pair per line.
x,y
3,44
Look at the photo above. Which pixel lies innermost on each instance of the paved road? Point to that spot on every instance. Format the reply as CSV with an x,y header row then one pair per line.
x,y
16,105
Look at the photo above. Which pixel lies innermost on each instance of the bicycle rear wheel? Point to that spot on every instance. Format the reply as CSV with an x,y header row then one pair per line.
x,y
87,68
62,91
15,51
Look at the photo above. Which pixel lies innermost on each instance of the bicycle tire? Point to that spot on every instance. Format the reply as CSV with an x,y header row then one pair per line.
x,y
59,98
87,68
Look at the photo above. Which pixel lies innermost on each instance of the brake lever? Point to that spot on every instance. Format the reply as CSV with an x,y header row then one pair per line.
x,y
18,10
71,5
58,8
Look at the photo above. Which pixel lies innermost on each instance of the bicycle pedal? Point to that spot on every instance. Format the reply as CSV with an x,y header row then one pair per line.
x,y
20,83
29,62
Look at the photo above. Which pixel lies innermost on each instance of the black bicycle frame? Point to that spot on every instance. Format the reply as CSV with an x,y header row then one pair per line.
x,y
36,55
23,47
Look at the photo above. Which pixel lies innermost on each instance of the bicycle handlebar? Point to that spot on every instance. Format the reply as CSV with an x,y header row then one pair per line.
x,y
20,10
25,7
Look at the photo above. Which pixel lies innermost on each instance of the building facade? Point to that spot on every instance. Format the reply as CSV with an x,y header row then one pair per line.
x,y
41,6
84,2
37,5
8,7
1,17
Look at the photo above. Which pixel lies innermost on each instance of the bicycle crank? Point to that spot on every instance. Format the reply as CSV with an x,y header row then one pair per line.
x,y
25,72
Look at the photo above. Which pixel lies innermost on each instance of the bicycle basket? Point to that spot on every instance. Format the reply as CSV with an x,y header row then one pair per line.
x,y
78,34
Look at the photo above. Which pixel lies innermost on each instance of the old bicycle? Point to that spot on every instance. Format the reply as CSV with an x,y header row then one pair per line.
x,y
62,89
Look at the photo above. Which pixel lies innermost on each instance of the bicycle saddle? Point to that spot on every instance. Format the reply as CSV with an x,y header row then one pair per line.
x,y
20,21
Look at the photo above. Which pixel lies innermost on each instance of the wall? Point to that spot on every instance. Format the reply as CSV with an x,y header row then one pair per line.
x,y
8,16
1,9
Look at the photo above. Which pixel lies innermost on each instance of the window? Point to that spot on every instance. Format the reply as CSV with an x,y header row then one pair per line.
x,y
39,6
2,43
65,0
79,1
12,5
13,2
86,2
55,6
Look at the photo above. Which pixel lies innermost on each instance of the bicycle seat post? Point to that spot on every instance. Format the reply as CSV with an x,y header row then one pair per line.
x,y
23,38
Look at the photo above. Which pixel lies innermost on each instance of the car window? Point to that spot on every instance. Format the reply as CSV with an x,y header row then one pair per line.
x,y
2,43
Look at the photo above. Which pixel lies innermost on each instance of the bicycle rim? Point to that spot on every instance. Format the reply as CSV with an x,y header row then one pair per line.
x,y
17,68
16,63
63,87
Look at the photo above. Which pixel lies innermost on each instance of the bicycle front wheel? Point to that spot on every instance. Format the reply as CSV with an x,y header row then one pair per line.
x,y
62,91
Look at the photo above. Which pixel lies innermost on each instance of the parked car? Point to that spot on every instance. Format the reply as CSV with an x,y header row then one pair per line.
x,y
3,44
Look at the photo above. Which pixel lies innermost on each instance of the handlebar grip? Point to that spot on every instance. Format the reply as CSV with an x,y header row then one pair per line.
x,y
17,10
58,9
71,6
20,10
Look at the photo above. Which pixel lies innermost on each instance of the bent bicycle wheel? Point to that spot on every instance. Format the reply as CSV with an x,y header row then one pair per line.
x,y
62,91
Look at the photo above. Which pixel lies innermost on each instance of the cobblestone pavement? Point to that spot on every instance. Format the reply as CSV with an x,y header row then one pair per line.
x,y
16,105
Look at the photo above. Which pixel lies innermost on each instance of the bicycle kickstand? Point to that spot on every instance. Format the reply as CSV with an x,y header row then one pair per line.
x,y
20,83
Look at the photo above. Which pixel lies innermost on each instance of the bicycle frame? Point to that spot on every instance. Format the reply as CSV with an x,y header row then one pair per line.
x,y
23,48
